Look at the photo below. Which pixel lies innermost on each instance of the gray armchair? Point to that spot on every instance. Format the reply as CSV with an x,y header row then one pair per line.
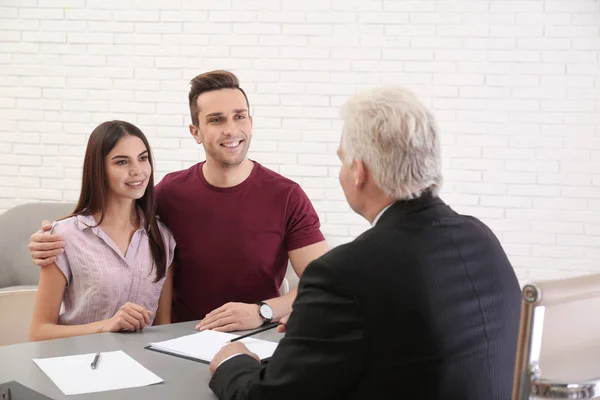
x,y
16,226
18,275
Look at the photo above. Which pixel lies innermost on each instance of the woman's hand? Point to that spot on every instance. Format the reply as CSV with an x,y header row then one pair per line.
x,y
130,317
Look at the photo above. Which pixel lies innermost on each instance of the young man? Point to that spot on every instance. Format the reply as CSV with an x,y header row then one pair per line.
x,y
236,223
424,305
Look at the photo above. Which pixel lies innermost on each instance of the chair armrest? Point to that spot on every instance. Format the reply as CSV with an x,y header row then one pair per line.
x,y
547,389
285,287
17,288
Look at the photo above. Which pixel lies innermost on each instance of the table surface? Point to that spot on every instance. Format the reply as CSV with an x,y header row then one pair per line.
x,y
183,379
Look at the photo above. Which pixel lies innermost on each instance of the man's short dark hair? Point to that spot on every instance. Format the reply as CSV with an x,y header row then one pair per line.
x,y
209,81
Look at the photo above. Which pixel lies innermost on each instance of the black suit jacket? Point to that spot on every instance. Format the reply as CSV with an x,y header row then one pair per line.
x,y
425,305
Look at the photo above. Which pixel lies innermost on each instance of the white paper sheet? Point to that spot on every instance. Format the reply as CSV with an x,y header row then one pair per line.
x,y
204,345
115,370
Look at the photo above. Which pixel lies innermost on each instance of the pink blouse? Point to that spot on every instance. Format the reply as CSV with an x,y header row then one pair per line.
x,y
99,279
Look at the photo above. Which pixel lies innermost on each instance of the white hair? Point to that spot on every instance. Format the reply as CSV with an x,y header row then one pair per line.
x,y
396,137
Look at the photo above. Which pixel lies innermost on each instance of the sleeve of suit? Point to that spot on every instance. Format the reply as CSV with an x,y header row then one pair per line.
x,y
321,352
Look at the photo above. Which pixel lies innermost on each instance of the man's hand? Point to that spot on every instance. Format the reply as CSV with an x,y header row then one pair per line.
x,y
232,317
227,351
44,247
283,321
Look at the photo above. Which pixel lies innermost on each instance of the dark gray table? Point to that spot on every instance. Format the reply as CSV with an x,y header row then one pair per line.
x,y
183,379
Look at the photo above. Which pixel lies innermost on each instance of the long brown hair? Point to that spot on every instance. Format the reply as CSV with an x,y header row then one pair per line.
x,y
94,185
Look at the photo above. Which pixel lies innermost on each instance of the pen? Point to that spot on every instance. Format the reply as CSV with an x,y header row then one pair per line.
x,y
95,362
254,332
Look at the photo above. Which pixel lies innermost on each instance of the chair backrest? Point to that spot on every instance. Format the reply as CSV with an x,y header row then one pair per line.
x,y
558,354
16,226
16,307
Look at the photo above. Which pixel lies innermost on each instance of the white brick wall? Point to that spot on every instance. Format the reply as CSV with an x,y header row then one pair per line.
x,y
515,86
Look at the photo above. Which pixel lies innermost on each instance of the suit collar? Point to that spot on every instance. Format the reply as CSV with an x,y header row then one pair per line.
x,y
383,210
406,207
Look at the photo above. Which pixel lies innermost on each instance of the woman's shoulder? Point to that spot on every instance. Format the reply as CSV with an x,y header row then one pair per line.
x,y
64,225
72,224
164,231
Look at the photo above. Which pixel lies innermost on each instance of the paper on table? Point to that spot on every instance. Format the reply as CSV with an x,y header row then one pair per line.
x,y
115,370
204,345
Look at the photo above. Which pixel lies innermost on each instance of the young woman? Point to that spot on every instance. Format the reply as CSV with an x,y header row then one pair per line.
x,y
117,254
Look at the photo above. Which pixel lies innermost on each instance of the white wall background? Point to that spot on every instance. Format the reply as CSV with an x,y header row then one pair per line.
x,y
515,86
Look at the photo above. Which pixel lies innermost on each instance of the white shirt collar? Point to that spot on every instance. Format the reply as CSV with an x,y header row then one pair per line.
x,y
380,214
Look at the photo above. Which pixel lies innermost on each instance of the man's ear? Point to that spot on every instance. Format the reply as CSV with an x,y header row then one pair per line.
x,y
195,133
360,174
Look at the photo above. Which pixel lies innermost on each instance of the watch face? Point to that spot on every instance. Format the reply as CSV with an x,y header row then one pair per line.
x,y
266,311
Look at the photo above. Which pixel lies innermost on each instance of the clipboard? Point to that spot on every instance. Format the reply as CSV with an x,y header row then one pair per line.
x,y
198,360
203,346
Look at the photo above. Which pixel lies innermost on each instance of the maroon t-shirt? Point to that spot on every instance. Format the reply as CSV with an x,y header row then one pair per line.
x,y
232,243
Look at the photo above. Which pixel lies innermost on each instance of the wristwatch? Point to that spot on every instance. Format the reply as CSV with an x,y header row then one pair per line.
x,y
265,311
